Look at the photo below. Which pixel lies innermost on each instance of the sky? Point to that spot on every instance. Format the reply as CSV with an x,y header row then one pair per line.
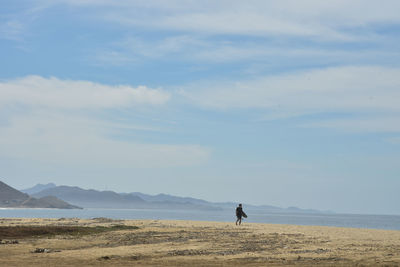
x,y
285,103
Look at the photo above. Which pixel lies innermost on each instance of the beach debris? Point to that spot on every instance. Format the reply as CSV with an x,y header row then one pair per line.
x,y
317,251
45,250
6,242
135,257
188,252
105,258
103,219
226,252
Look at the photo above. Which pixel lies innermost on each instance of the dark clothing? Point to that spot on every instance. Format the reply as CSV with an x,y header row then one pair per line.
x,y
239,212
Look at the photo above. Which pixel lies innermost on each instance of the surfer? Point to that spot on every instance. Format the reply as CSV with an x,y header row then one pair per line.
x,y
239,214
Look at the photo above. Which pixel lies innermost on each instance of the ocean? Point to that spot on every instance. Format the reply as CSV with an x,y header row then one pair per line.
x,y
388,222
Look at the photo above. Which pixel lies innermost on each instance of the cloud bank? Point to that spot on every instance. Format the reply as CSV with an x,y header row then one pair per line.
x,y
369,93
62,139
56,93
55,121
331,89
325,20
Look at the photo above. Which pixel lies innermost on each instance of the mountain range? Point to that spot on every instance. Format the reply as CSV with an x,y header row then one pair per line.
x,y
12,198
89,198
37,188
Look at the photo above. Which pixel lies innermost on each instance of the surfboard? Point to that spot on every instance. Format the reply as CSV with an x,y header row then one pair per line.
x,y
244,214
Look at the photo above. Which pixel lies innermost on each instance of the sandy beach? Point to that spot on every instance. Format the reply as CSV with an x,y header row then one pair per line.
x,y
106,242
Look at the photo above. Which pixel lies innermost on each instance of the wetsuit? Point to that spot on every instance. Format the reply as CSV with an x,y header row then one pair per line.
x,y
239,212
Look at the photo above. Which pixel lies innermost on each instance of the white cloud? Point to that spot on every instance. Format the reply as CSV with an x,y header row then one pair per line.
x,y
370,93
209,50
309,18
384,124
15,24
71,140
53,121
132,48
331,89
11,30
190,28
56,93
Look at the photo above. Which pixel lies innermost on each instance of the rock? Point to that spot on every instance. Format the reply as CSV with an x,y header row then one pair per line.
x,y
6,242
42,250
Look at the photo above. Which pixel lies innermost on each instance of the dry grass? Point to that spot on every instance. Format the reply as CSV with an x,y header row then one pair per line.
x,y
22,232
98,242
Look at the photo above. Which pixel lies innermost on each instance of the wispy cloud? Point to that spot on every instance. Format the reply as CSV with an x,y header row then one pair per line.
x,y
15,24
209,31
310,32
53,92
135,49
370,91
209,50
12,30
70,140
61,121
338,88
376,123
323,20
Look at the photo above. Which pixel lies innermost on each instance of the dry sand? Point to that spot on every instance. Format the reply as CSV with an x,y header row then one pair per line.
x,y
64,242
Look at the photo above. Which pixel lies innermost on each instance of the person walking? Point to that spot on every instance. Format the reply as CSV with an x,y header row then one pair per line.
x,y
239,214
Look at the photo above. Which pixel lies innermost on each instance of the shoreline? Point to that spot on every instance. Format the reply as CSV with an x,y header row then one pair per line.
x,y
363,221
187,243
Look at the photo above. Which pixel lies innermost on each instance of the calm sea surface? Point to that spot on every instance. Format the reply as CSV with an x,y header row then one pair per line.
x,y
391,222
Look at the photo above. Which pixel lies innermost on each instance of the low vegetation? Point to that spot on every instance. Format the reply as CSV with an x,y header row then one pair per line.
x,y
18,232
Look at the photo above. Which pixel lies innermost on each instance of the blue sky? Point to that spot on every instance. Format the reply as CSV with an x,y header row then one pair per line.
x,y
286,103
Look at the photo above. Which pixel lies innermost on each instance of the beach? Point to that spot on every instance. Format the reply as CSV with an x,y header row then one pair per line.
x,y
107,242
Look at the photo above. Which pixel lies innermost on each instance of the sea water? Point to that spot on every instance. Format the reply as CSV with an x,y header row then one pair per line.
x,y
388,222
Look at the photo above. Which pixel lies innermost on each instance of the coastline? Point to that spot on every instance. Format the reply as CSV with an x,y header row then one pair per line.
x,y
362,221
184,243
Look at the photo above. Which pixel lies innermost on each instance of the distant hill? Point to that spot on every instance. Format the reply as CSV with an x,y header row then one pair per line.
x,y
47,202
221,205
170,198
90,198
37,188
12,198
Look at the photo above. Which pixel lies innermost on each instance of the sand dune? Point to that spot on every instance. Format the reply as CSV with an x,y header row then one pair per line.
x,y
105,242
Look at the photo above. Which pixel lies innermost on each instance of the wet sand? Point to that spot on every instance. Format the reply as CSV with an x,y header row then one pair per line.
x,y
105,242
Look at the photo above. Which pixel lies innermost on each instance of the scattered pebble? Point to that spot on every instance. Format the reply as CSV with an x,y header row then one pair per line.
x,y
41,250
6,242
45,250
